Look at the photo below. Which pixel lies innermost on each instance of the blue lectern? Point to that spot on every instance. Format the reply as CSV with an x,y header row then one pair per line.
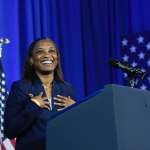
x,y
117,118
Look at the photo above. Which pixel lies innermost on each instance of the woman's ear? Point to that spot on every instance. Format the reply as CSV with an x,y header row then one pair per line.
x,y
31,61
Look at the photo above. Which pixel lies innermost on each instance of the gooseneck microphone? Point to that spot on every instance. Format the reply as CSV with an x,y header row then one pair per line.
x,y
127,68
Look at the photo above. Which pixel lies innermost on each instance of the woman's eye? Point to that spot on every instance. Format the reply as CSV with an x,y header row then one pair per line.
x,y
52,51
39,52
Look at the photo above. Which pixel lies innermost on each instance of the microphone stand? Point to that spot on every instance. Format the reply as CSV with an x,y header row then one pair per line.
x,y
132,72
132,77
132,81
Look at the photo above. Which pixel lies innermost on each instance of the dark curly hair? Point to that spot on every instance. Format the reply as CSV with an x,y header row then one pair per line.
x,y
29,71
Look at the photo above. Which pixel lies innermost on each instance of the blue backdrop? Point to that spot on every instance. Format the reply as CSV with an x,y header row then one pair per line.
x,y
87,33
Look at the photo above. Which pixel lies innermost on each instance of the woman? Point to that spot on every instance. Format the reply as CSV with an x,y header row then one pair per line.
x,y
35,98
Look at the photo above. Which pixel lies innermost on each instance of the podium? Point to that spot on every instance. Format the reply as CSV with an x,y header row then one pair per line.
x,y
116,118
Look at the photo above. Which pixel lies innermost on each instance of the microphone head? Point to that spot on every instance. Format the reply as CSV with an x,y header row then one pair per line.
x,y
113,62
120,64
131,71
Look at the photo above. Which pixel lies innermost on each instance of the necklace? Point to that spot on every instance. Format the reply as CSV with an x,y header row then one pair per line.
x,y
46,87
47,90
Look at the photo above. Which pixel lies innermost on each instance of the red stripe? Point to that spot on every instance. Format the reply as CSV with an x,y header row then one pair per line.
x,y
13,142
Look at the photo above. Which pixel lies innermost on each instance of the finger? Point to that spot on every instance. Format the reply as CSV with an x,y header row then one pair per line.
x,y
32,100
46,103
47,107
59,99
63,97
60,109
59,104
44,98
36,102
31,95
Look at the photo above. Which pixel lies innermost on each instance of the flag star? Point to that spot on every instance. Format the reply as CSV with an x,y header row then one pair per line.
x,y
143,87
143,70
2,112
148,78
125,58
2,105
7,41
133,49
3,97
141,55
2,120
124,42
148,63
3,82
125,75
1,40
134,64
148,46
2,128
3,75
3,90
140,39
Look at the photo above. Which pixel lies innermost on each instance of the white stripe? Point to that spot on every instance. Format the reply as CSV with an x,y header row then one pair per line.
x,y
8,145
0,140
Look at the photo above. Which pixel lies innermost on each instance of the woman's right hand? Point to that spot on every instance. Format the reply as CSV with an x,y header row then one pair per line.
x,y
40,101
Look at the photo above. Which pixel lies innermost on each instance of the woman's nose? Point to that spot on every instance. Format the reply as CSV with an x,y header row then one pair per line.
x,y
47,54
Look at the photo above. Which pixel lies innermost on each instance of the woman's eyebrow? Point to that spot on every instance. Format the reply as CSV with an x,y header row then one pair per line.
x,y
39,48
48,48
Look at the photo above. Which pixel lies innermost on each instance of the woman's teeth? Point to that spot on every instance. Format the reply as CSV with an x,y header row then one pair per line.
x,y
47,62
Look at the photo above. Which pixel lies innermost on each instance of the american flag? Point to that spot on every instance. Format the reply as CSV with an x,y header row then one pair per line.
x,y
5,143
136,52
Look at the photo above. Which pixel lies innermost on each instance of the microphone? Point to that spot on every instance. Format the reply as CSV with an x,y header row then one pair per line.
x,y
126,67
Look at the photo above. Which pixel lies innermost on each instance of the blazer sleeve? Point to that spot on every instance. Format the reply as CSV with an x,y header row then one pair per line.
x,y
20,112
69,91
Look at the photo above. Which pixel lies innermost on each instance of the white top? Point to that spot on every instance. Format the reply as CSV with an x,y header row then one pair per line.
x,y
50,102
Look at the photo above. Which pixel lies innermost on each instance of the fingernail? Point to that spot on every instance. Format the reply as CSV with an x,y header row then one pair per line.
x,y
31,95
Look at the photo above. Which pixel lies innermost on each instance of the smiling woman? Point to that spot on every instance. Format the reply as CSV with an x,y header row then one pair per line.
x,y
42,52
37,97
44,57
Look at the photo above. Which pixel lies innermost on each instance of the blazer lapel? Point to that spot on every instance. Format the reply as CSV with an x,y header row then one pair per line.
x,y
37,88
56,89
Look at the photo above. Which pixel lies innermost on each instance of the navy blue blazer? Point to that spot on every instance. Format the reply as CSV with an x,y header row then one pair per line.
x,y
26,121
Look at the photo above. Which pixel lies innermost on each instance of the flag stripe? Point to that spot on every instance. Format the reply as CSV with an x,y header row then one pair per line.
x,y
6,144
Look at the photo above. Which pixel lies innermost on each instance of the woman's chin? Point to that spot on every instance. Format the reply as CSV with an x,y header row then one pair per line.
x,y
46,72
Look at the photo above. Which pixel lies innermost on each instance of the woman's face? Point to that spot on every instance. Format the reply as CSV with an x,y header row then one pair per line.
x,y
44,57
